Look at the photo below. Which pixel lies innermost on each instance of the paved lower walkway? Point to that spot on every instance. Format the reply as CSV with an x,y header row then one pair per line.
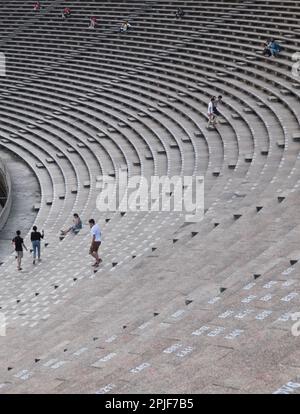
x,y
25,194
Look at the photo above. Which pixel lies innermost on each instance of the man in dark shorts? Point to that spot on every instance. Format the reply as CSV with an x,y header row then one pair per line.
x,y
215,106
19,244
96,242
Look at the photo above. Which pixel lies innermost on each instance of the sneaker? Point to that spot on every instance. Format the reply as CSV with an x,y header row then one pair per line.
x,y
33,262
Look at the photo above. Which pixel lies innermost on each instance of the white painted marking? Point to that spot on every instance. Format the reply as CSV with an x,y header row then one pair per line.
x,y
201,330
183,352
140,368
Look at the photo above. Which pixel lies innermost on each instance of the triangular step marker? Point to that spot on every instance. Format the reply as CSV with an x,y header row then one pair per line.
x,y
293,262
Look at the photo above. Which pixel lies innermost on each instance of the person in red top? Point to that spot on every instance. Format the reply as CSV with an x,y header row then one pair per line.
x,y
93,22
66,13
37,6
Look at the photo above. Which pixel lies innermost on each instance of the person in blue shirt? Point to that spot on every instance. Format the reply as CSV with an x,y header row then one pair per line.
x,y
274,47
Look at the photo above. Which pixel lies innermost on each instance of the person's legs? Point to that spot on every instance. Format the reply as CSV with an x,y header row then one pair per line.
x,y
94,252
96,256
64,232
39,250
210,120
19,260
34,248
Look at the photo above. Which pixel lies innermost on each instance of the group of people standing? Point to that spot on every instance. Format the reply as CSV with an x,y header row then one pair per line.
x,y
36,237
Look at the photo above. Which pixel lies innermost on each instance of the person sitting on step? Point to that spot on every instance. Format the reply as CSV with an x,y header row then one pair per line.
x,y
37,6
266,50
274,47
179,13
66,13
125,26
75,229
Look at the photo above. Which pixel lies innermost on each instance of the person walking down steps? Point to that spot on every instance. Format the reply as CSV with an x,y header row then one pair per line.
x,y
36,238
19,245
96,242
211,113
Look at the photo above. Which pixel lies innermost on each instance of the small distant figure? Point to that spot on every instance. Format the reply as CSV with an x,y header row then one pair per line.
x,y
93,22
75,229
37,6
19,245
271,48
215,107
36,238
274,47
125,26
266,49
96,242
179,14
66,13
210,112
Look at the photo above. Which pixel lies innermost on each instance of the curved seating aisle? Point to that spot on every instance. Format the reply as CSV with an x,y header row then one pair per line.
x,y
175,306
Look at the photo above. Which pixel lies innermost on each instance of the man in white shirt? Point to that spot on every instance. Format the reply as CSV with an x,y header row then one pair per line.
x,y
210,112
96,241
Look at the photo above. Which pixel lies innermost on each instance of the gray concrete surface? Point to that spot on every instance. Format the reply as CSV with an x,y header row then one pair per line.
x,y
26,193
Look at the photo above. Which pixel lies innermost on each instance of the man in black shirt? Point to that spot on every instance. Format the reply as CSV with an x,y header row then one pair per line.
x,y
19,244
36,238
